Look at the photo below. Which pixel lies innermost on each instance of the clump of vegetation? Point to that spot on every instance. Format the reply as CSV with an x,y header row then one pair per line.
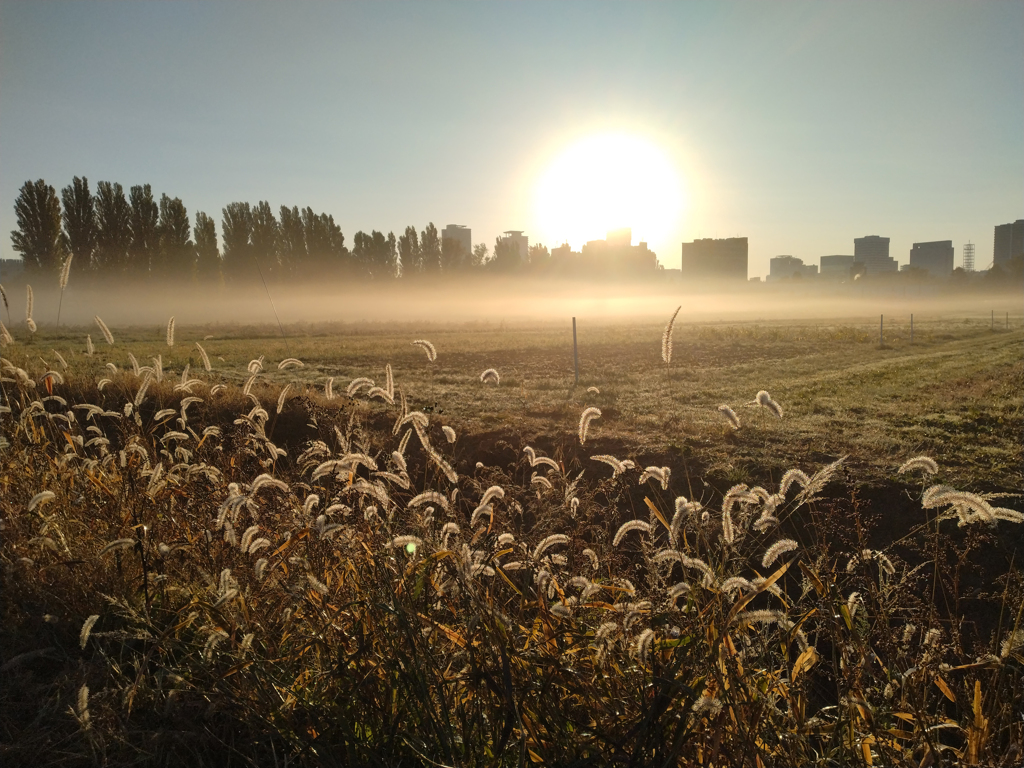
x,y
192,576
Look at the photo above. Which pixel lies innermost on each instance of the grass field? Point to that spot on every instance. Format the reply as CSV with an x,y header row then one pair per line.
x,y
956,393
283,577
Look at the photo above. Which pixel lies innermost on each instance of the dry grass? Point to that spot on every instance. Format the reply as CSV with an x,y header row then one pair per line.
x,y
382,612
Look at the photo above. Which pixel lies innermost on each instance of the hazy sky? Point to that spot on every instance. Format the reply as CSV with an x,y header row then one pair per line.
x,y
798,125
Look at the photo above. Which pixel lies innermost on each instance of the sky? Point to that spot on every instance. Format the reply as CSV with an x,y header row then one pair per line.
x,y
797,125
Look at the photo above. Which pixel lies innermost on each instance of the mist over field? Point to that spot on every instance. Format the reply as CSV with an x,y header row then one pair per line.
x,y
493,302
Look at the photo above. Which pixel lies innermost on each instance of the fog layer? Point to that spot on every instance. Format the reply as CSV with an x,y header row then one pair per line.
x,y
484,301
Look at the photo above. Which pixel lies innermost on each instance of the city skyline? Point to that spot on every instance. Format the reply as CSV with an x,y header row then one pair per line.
x,y
372,115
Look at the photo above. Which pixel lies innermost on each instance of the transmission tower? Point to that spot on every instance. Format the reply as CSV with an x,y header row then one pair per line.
x,y
969,257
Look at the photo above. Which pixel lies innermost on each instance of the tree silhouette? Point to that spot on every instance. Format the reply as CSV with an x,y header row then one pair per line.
x,y
430,248
264,237
38,236
409,253
540,258
80,229
391,260
176,256
144,225
325,246
506,256
113,229
291,241
480,255
236,229
207,255
375,255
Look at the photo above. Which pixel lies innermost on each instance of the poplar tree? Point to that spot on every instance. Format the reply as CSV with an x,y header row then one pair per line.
x,y
264,237
236,229
80,229
291,241
410,263
38,236
430,249
325,245
375,254
176,256
480,255
113,229
207,254
144,225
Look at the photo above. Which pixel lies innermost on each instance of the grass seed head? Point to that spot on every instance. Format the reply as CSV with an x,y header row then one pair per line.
x,y
427,347
666,338
586,417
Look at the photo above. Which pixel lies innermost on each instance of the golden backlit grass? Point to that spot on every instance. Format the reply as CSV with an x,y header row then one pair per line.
x,y
292,579
956,393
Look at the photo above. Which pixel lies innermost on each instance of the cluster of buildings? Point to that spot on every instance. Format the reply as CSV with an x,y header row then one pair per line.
x,y
615,255
870,257
726,259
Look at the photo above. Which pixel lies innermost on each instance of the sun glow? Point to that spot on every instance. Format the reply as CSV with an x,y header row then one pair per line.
x,y
606,182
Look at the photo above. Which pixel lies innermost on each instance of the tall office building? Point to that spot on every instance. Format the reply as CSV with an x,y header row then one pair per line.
x,y
935,257
782,267
1009,241
873,252
616,254
715,259
969,257
460,234
836,267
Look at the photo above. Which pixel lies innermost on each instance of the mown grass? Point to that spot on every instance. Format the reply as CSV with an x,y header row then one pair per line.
x,y
886,634
955,393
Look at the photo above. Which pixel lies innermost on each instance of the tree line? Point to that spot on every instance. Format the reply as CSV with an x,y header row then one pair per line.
x,y
113,235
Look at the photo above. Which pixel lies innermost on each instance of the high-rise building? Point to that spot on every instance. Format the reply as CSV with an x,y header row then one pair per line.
x,y
969,257
715,259
460,234
617,255
1009,241
873,252
520,241
782,267
935,257
836,267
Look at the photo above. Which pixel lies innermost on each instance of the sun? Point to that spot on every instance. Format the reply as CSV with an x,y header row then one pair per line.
x,y
606,182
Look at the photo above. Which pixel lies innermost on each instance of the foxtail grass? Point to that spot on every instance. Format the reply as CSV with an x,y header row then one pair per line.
x,y
666,338
65,272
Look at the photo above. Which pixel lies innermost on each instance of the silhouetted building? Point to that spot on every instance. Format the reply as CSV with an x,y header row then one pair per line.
x,y
935,257
836,267
968,257
715,259
616,254
460,234
520,241
873,252
1009,241
788,267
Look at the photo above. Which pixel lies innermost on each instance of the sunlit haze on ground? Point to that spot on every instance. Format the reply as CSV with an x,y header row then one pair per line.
x,y
490,303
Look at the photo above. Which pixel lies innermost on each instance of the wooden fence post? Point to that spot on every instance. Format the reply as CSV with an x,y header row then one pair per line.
x,y
575,352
